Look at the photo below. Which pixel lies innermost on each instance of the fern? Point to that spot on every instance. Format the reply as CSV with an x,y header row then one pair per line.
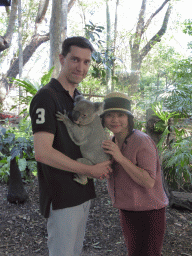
x,y
30,89
178,161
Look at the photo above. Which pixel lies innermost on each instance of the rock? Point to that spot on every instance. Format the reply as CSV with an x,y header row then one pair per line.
x,y
180,200
16,190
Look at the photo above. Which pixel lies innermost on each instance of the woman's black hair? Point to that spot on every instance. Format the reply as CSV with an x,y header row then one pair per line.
x,y
130,122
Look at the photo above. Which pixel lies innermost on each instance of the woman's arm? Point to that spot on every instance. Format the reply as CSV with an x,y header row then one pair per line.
x,y
140,176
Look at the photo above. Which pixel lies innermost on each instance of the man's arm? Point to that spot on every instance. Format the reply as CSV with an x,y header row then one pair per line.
x,y
46,154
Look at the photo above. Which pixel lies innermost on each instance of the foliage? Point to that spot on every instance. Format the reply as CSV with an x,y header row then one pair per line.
x,y
181,71
187,27
163,115
163,68
102,59
17,141
31,89
140,125
29,13
92,86
5,169
92,32
177,156
12,145
166,76
178,98
177,162
163,124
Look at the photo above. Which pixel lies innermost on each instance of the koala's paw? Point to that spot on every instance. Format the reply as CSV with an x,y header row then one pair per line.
x,y
81,179
61,117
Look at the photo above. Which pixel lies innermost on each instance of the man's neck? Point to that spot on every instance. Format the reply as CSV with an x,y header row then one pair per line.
x,y
67,86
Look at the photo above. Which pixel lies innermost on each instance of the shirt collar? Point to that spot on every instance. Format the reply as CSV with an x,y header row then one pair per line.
x,y
125,141
58,87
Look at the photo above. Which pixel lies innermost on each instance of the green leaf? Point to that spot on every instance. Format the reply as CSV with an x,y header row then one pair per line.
x,y
22,164
29,87
47,77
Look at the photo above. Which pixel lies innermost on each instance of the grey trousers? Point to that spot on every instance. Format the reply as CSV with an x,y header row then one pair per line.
x,y
66,230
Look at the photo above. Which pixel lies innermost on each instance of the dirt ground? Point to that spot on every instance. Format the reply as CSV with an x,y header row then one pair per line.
x,y
23,229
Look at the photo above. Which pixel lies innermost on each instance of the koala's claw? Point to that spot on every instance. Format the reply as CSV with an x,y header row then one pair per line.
x,y
60,116
82,179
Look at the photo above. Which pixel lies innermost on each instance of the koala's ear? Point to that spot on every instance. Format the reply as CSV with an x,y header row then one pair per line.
x,y
99,107
79,97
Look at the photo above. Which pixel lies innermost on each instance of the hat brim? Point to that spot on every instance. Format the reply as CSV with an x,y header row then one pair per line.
x,y
116,109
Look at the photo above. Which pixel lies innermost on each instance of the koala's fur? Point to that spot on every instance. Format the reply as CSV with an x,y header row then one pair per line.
x,y
87,132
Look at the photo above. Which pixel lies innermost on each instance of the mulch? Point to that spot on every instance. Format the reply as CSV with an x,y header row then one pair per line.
x,y
23,229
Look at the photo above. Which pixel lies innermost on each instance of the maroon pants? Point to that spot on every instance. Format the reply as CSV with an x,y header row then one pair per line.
x,y
143,231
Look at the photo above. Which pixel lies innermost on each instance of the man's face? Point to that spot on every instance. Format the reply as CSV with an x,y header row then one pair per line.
x,y
75,65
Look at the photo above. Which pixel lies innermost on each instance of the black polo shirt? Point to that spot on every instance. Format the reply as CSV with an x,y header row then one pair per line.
x,y
55,185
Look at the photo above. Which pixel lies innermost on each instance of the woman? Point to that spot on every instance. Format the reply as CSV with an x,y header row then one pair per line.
x,y
136,184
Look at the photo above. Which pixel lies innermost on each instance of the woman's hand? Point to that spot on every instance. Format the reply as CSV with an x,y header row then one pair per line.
x,y
113,149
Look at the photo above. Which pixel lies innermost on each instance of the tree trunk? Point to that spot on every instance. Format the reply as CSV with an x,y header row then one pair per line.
x,y
58,33
114,44
137,54
55,37
42,9
70,5
36,40
108,41
16,190
5,41
64,20
13,71
20,49
135,72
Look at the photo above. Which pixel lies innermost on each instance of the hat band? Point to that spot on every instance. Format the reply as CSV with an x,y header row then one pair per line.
x,y
117,103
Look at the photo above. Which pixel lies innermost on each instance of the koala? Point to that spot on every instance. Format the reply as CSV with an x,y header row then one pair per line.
x,y
87,132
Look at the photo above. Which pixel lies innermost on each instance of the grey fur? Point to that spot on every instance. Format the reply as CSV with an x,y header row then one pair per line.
x,y
87,132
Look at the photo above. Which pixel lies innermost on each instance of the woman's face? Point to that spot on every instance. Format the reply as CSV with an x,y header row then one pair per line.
x,y
117,122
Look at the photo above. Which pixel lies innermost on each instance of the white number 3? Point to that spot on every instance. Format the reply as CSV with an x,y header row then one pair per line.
x,y
41,116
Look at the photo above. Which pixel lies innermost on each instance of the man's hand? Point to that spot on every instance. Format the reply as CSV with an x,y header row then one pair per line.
x,y
101,170
46,154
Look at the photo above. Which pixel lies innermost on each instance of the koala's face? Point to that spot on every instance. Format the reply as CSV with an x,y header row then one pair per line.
x,y
85,111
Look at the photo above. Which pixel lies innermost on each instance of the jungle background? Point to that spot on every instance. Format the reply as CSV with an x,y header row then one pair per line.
x,y
142,49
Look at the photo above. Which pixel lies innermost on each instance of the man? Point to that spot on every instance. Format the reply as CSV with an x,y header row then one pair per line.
x,y
63,201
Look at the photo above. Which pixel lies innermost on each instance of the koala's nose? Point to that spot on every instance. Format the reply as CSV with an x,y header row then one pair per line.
x,y
75,115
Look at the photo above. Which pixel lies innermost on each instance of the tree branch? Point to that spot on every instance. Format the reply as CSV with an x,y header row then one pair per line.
x,y
42,9
70,5
5,40
140,22
36,41
157,37
154,14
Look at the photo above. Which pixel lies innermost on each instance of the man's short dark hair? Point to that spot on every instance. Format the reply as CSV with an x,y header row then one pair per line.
x,y
79,41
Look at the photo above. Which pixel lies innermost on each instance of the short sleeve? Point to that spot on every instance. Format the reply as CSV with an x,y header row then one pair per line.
x,y
42,112
147,157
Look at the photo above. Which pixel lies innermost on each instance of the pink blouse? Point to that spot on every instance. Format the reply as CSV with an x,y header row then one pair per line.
x,y
125,193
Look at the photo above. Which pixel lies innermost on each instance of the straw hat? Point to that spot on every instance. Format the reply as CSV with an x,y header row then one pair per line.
x,y
117,101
